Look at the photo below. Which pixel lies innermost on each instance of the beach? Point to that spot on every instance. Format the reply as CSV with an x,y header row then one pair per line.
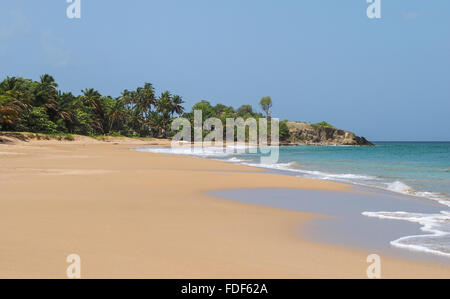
x,y
131,214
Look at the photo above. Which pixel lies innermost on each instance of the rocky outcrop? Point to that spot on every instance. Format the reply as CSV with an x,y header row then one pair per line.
x,y
305,133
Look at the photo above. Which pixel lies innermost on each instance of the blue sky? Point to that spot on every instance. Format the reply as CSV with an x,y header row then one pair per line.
x,y
386,79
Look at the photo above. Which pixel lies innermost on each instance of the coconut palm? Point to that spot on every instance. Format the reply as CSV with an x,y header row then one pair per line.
x,y
12,106
165,107
117,114
47,94
177,105
92,101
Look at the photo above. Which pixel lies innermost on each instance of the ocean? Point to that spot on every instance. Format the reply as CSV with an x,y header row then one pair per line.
x,y
419,169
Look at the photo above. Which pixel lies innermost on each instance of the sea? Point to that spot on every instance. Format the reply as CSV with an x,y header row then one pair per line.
x,y
417,169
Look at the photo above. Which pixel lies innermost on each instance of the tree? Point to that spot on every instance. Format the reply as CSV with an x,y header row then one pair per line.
x,y
46,95
38,121
266,105
206,108
66,111
11,108
92,101
38,106
117,115
145,99
284,131
164,107
245,110
177,105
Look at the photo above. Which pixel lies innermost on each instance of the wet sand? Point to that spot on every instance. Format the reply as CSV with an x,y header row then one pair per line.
x,y
131,214
345,224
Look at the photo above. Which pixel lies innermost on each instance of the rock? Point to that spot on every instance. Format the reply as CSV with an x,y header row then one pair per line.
x,y
305,133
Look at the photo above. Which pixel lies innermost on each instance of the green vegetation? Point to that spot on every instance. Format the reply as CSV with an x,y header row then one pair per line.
x,y
323,125
284,131
266,105
223,112
39,107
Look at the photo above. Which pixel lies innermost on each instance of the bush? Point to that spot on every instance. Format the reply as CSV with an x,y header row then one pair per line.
x,y
83,126
38,121
323,124
284,131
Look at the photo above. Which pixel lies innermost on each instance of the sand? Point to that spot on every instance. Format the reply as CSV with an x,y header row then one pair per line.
x,y
131,214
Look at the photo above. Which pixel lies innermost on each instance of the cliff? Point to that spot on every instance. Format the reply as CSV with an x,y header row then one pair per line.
x,y
322,134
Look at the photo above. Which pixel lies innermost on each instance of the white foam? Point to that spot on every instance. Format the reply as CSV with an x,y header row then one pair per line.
x,y
292,167
437,227
400,187
211,151
358,179
236,160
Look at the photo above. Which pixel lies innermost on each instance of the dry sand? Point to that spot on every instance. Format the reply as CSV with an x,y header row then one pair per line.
x,y
131,214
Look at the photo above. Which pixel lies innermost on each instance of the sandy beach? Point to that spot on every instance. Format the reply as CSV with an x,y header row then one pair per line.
x,y
131,214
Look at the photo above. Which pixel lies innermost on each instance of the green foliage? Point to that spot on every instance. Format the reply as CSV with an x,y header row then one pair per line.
x,y
266,105
223,112
322,125
245,110
38,121
38,106
284,131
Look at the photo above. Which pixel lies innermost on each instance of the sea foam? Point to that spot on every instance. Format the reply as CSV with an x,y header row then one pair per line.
x,y
436,226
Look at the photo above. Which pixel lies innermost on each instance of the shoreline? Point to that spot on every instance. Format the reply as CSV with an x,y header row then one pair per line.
x,y
423,244
395,186
345,224
120,211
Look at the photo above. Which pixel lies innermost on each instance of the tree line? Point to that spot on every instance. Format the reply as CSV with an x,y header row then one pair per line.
x,y
39,107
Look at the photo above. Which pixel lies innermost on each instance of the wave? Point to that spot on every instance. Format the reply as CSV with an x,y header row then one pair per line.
x,y
357,179
437,227
293,167
236,160
212,151
222,153
400,187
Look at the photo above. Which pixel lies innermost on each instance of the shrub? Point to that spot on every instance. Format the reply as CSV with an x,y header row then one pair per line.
x,y
323,125
38,121
284,131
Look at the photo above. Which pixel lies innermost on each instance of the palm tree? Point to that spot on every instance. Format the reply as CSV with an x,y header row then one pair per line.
x,y
12,105
177,105
46,94
165,108
142,100
92,100
66,108
117,114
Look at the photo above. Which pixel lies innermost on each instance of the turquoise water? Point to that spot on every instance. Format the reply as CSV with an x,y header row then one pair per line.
x,y
416,168
420,169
